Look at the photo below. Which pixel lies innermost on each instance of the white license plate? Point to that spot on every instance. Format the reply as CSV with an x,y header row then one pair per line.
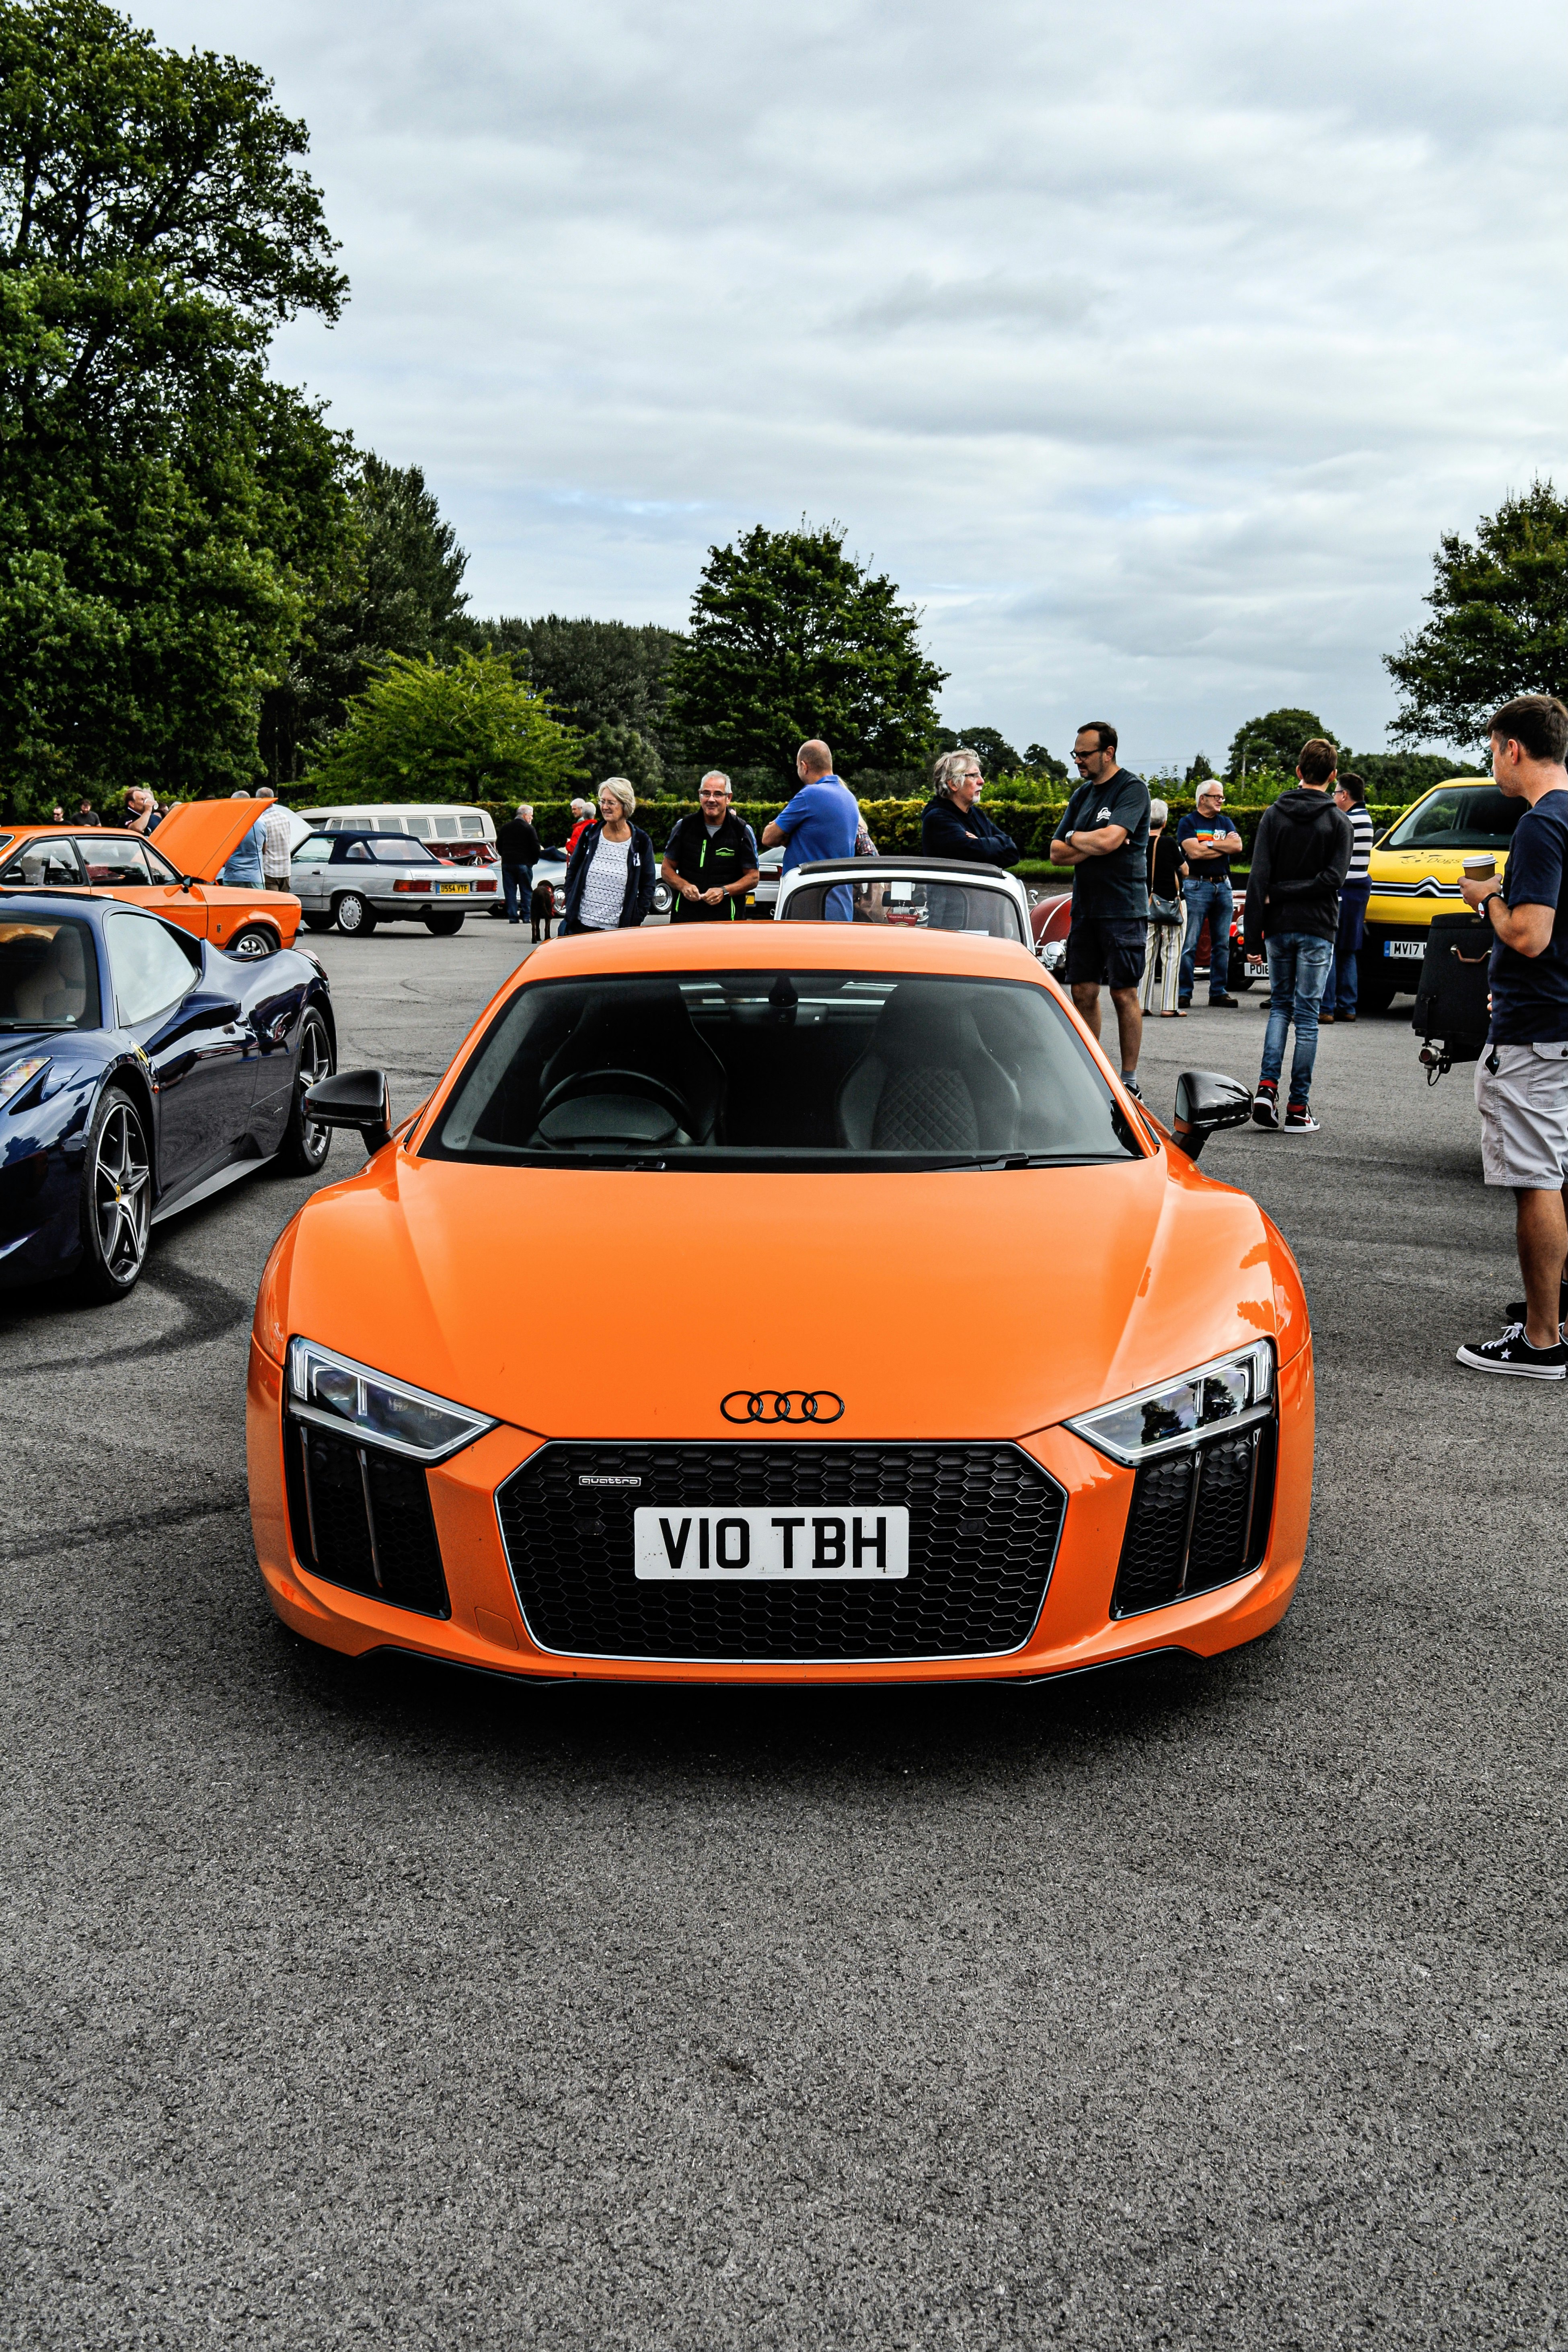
x,y
1415,949
771,1547
451,889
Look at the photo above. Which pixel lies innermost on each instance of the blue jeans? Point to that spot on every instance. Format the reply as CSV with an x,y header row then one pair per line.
x,y
1214,900
1297,968
517,881
1344,972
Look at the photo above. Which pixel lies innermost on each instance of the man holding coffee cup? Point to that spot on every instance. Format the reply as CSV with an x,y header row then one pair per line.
x,y
1521,1082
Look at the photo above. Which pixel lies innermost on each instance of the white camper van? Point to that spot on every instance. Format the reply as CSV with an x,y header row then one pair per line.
x,y
434,822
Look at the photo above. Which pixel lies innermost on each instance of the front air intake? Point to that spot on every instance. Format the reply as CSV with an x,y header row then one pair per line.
x,y
1199,1517
361,1518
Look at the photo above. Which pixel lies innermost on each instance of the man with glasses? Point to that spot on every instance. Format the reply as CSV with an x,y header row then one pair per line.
x,y
1208,842
1104,835
711,859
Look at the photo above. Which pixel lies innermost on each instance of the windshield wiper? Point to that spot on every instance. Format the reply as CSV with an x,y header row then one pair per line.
x,y
1025,1159
16,1021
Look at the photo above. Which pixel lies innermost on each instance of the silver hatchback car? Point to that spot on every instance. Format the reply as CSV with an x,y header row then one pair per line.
x,y
359,879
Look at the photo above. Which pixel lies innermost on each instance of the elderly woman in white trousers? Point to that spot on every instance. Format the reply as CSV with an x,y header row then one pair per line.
x,y
1167,916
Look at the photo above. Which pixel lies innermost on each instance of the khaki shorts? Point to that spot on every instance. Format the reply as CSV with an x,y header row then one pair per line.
x,y
1524,1104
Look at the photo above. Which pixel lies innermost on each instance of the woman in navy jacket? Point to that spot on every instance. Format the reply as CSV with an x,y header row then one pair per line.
x,y
952,825
609,875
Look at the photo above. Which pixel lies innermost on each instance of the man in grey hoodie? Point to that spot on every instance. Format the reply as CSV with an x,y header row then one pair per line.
x,y
1300,855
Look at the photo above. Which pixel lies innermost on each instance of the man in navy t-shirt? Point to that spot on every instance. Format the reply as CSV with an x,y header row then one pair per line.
x,y
822,820
1521,1081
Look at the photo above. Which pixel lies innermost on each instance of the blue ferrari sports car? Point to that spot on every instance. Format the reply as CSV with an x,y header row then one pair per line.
x,y
141,1069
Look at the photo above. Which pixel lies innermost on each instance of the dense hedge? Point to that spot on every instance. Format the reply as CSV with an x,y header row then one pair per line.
x,y
895,824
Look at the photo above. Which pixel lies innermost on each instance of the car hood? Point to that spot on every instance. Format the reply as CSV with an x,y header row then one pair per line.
x,y
596,1304
200,836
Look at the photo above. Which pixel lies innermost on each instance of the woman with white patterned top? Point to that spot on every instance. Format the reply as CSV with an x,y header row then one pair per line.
x,y
609,875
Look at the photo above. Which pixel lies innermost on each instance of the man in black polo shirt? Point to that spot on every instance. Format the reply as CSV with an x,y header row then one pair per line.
x,y
1521,1081
711,859
1104,835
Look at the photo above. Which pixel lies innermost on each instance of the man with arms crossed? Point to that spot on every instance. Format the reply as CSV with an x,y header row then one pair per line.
x,y
1104,833
822,820
1521,1081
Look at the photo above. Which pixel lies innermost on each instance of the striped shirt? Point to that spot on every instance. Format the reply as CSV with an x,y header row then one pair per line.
x,y
1361,843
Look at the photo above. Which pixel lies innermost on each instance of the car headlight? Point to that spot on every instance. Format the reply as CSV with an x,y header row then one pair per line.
x,y
21,1073
1233,1392
340,1394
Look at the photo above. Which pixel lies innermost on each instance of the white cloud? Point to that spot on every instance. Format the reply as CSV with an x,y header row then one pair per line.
x,y
1149,350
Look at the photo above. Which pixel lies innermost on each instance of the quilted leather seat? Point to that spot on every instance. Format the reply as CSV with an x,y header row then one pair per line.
x,y
927,1081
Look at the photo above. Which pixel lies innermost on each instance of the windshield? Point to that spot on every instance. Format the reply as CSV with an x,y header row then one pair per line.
x,y
910,904
1459,818
48,973
771,1069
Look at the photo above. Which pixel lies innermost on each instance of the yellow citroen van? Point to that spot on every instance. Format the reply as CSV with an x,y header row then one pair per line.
x,y
1416,872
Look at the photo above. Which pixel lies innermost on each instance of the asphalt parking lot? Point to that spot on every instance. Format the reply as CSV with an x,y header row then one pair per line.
x,y
1188,2006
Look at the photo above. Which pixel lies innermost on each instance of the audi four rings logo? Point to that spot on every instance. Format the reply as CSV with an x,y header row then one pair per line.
x,y
783,1405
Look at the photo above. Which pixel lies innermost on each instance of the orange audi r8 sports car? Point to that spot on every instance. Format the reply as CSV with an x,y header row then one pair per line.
x,y
175,872
1029,1393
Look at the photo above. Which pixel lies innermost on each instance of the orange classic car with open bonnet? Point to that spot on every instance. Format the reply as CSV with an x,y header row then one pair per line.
x,y
173,871
962,1368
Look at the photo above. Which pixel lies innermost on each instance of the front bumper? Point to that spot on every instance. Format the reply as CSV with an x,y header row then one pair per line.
x,y
1395,949
485,1626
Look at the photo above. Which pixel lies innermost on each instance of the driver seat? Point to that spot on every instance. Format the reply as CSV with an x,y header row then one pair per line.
x,y
928,1082
654,1034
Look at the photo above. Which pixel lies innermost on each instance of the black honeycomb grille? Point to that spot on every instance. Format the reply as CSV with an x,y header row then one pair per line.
x,y
1198,1518
984,1526
362,1518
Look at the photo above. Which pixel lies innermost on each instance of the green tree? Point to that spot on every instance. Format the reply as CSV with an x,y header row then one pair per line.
x,y
601,676
1499,624
469,729
169,515
995,754
1274,741
402,594
790,638
1200,769
1040,762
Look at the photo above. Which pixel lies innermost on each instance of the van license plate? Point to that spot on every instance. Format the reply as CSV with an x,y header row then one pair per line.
x,y
804,1547
1412,948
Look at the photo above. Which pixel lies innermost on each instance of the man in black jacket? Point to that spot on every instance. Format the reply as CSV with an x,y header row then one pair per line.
x,y
1301,856
953,826
711,859
518,845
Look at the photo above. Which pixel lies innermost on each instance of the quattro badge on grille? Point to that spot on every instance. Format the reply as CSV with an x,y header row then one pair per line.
x,y
589,1479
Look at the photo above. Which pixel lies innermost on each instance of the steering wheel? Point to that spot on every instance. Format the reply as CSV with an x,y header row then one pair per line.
x,y
635,1084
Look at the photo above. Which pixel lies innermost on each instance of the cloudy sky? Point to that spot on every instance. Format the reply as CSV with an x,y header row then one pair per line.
x,y
1149,349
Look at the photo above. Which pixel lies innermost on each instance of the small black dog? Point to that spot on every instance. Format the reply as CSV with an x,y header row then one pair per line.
x,y
541,909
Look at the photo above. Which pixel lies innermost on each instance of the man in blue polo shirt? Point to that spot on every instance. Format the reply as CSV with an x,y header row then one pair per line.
x,y
822,820
1521,1081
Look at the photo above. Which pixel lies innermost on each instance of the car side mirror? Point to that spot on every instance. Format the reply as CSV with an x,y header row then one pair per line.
x,y
360,1098
1206,1100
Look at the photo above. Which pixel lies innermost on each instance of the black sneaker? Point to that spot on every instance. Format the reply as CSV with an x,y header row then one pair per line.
x,y
1513,1353
1133,1088
1298,1120
1266,1106
1224,1003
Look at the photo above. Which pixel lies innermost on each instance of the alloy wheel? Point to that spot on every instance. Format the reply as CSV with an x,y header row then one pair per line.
x,y
253,942
315,1064
123,1193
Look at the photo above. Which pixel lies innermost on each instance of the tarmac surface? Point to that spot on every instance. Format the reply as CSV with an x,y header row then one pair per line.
x,y
1189,2006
